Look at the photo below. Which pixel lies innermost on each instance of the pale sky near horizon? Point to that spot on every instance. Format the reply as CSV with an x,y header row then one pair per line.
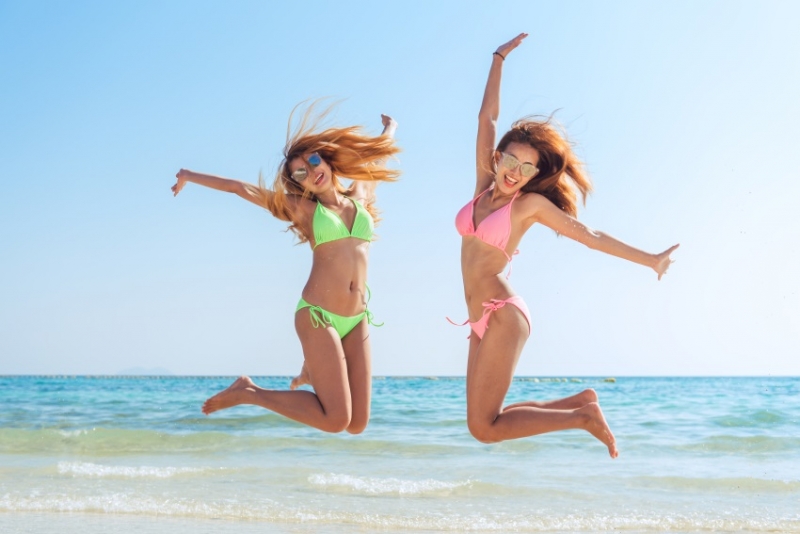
x,y
686,114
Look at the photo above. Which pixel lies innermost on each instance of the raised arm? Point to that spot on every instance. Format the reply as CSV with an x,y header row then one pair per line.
x,y
543,211
365,191
252,193
487,117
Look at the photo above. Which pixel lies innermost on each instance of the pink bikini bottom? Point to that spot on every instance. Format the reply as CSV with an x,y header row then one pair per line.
x,y
480,326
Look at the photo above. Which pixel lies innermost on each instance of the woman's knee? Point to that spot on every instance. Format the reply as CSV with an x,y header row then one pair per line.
x,y
588,395
358,422
357,427
482,430
336,421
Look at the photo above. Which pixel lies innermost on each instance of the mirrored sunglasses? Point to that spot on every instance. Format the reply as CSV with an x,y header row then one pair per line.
x,y
302,173
511,163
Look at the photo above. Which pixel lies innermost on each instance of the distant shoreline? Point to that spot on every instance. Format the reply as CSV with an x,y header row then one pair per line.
x,y
542,378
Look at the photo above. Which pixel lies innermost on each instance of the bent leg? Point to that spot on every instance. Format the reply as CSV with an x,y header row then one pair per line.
x,y
489,374
490,370
358,358
328,408
567,403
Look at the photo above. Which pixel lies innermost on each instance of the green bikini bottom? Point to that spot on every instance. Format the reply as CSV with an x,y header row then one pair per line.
x,y
321,318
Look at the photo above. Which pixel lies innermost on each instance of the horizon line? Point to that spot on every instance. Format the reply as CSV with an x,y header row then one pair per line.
x,y
382,377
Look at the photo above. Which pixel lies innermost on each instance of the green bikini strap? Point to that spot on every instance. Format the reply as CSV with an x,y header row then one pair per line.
x,y
319,317
370,317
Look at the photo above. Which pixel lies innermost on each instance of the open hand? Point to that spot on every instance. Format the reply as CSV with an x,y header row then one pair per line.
x,y
388,123
663,261
181,176
505,49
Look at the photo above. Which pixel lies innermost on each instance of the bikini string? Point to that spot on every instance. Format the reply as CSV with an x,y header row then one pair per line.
x,y
319,317
370,317
488,307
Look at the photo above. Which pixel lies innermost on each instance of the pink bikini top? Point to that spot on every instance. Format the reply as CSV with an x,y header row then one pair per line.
x,y
494,230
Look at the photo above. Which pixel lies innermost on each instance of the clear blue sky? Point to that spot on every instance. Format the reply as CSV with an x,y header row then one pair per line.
x,y
686,114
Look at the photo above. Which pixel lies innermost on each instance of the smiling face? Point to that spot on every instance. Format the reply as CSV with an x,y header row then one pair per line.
x,y
311,172
513,175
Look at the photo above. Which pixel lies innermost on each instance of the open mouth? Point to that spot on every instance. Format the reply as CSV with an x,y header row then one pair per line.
x,y
510,182
318,179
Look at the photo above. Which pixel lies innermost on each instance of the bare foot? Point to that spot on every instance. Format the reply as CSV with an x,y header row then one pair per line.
x,y
596,425
234,395
301,379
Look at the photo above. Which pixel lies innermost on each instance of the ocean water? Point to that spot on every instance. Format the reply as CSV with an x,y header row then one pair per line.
x,y
106,454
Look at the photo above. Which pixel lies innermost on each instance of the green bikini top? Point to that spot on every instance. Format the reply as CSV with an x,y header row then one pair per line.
x,y
328,226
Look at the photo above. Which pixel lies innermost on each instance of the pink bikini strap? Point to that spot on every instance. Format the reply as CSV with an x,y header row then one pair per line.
x,y
456,324
474,200
488,307
492,306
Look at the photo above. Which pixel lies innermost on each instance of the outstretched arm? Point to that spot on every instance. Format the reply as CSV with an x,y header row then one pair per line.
x,y
364,191
252,193
546,213
487,118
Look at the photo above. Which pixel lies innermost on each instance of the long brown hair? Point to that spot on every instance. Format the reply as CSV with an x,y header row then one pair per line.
x,y
561,175
349,151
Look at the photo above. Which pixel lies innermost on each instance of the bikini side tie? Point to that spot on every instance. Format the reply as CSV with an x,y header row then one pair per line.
x,y
488,307
492,306
319,317
370,317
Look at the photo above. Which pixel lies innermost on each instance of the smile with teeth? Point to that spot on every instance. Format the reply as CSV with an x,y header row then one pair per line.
x,y
319,178
510,180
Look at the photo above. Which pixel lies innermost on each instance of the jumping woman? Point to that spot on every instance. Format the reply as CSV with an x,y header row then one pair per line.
x,y
331,317
529,177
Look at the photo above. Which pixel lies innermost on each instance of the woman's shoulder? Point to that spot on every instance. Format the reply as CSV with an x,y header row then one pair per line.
x,y
529,204
360,197
532,199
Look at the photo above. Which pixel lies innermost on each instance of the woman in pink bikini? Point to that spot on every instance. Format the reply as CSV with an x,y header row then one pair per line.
x,y
530,177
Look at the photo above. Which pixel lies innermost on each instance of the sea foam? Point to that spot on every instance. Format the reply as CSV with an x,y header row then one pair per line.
x,y
87,469
384,486
533,521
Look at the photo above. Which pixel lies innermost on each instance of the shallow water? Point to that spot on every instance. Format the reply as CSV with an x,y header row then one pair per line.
x,y
136,455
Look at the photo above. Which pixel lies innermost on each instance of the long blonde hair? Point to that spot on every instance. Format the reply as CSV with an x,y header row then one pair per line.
x,y
349,152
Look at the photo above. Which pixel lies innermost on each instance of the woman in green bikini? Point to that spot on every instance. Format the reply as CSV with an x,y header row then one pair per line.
x,y
331,318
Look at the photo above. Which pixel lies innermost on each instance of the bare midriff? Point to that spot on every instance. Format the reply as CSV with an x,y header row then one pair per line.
x,y
338,279
483,269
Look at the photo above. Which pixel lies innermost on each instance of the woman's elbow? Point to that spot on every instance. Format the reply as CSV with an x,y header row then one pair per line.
x,y
241,189
593,240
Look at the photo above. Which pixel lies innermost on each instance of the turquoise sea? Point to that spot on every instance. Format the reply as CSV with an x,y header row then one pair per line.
x,y
128,454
